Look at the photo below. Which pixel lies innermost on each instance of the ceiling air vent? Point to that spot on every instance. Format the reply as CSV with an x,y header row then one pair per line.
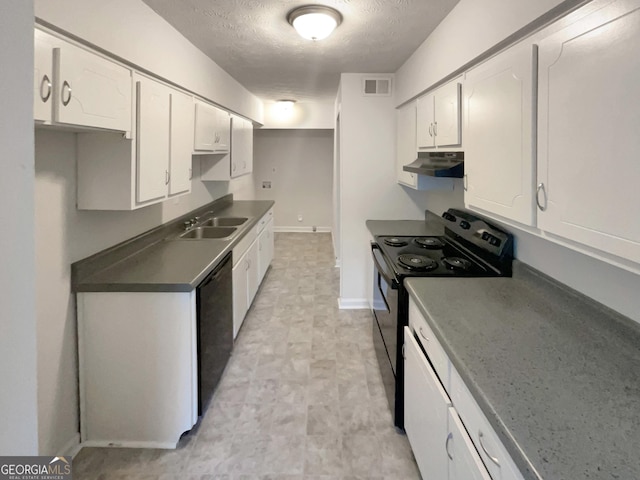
x,y
379,87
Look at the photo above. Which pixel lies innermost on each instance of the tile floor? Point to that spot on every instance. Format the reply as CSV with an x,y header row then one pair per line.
x,y
301,398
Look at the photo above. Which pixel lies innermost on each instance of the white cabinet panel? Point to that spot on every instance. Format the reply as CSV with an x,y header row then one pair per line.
x,y
240,295
241,147
446,126
182,120
152,139
90,90
499,146
265,250
464,462
253,282
43,77
438,117
426,407
588,143
406,143
212,129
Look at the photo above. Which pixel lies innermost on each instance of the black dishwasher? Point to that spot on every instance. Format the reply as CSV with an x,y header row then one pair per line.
x,y
214,301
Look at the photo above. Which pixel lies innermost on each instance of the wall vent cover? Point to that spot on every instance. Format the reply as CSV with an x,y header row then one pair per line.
x,y
378,86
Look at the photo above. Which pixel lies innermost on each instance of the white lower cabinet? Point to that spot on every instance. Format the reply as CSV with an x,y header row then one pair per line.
x,y
450,437
426,407
251,259
138,367
464,462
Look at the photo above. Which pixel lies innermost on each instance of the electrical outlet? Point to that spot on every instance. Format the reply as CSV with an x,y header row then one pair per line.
x,y
314,228
266,184
299,217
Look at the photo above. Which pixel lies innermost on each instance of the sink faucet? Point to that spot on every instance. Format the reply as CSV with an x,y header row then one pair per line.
x,y
191,223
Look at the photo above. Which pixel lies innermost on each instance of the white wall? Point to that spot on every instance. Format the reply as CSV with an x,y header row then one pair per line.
x,y
368,187
132,31
18,403
303,115
471,28
478,25
65,235
299,165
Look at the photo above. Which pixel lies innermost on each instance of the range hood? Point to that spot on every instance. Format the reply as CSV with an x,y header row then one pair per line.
x,y
438,164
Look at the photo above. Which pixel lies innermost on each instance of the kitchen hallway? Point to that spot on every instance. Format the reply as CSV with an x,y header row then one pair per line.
x,y
301,398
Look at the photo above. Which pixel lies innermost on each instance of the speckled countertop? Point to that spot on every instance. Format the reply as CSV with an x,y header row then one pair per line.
x,y
557,374
157,262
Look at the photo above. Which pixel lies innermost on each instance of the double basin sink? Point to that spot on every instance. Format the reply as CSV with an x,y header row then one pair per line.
x,y
215,227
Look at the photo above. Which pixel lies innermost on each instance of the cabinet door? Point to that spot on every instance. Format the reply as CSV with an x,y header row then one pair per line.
x,y
464,461
426,407
223,130
446,116
240,295
253,282
237,147
406,143
424,124
42,77
588,124
205,128
265,250
90,90
152,139
499,147
181,143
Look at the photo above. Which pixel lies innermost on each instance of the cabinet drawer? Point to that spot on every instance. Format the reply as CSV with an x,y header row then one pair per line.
x,y
430,343
491,450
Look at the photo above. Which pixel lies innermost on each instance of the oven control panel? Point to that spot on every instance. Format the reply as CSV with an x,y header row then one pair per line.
x,y
478,231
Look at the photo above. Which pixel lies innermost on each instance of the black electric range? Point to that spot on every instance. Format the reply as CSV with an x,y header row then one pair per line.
x,y
470,247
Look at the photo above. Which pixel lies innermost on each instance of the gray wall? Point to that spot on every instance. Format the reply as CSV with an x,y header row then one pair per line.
x,y
299,165
18,407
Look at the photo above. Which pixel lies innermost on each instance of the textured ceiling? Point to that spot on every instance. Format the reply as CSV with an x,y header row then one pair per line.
x,y
253,42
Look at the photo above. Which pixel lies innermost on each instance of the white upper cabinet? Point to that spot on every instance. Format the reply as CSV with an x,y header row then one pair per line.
x,y
499,144
90,90
588,124
152,139
212,129
116,173
78,88
238,162
438,117
181,165
43,77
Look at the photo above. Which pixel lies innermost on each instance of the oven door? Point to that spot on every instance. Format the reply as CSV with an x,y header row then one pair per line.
x,y
385,304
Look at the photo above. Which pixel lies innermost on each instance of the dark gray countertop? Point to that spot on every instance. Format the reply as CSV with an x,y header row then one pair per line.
x,y
557,374
414,228
166,265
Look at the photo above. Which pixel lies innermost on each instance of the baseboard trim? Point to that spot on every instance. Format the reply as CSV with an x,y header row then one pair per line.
x,y
129,444
301,229
353,303
72,447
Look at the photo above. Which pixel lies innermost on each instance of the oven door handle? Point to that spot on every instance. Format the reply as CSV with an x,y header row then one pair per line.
x,y
391,280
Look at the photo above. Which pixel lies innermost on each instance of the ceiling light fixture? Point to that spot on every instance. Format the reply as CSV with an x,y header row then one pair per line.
x,y
285,106
314,22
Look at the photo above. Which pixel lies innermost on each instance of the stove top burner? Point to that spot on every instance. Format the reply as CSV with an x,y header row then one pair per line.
x,y
429,242
395,242
457,263
417,262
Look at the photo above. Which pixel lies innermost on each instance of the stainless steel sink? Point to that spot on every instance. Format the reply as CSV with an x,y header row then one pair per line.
x,y
208,232
224,222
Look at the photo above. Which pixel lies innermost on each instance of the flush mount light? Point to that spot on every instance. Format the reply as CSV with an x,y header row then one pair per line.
x,y
314,22
285,106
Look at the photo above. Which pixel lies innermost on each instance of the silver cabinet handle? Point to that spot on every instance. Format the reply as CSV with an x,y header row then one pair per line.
x,y
446,445
190,173
431,129
465,182
234,167
166,177
45,82
66,85
423,335
544,192
484,449
435,129
244,164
